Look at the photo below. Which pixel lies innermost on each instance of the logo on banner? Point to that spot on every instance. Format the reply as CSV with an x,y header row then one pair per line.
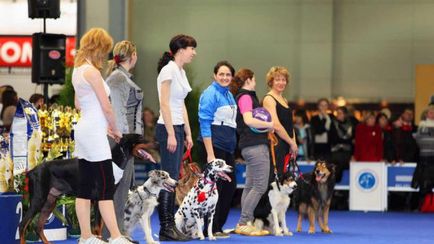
x,y
367,180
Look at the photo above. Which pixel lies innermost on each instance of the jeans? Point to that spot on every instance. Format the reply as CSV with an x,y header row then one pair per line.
x,y
171,162
257,172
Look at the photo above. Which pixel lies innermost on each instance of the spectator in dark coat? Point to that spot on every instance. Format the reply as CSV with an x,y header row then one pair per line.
x,y
423,177
341,141
389,153
405,144
320,125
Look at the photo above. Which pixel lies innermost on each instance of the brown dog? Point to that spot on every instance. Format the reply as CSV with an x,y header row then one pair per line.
x,y
313,196
190,173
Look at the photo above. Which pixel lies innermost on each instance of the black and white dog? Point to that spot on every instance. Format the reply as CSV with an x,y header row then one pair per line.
x,y
201,201
143,200
270,213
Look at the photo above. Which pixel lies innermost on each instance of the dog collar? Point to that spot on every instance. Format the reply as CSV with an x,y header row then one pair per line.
x,y
150,193
203,195
206,181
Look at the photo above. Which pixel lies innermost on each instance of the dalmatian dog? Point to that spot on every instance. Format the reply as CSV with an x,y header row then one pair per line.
x,y
201,201
143,200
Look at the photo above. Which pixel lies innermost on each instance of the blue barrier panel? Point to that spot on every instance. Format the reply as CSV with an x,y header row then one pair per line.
x,y
11,212
344,184
399,177
240,175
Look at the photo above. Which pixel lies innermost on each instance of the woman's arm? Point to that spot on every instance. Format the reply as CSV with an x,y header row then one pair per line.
x,y
206,116
94,78
76,102
187,129
119,92
167,115
270,104
245,104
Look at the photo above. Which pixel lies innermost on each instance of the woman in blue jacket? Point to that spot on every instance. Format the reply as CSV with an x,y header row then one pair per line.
x,y
217,139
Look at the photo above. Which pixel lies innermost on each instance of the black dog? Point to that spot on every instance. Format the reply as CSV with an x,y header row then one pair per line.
x,y
314,195
52,179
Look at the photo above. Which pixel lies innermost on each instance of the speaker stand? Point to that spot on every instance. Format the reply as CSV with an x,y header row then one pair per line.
x,y
46,93
45,25
45,85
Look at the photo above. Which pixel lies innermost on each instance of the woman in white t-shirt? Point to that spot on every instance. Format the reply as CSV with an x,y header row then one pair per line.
x,y
173,128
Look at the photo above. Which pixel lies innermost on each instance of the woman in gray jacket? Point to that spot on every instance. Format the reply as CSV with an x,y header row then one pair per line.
x,y
126,98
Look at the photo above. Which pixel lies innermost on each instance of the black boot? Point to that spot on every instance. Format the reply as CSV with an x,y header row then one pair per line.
x,y
168,230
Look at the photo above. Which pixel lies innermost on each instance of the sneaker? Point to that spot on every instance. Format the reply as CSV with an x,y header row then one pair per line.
x,y
250,230
221,235
120,240
91,240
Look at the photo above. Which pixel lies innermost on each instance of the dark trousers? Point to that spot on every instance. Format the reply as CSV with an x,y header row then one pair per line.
x,y
170,162
225,189
341,159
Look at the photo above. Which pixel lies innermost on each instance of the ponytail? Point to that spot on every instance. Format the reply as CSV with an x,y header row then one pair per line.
x,y
240,79
122,52
164,60
111,66
180,41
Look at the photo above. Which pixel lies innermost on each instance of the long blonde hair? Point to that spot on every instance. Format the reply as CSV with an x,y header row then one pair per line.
x,y
122,52
94,47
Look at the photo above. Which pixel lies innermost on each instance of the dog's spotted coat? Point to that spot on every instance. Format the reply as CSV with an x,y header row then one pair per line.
x,y
143,200
201,201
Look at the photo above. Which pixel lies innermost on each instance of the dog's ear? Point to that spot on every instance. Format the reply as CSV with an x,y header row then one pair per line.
x,y
332,167
152,173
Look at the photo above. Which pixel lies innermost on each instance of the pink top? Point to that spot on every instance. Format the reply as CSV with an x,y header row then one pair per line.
x,y
245,103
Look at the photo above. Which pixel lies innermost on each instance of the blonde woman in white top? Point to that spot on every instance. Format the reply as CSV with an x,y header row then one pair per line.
x,y
96,181
173,128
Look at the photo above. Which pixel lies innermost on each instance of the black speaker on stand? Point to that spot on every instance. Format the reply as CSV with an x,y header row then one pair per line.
x,y
48,61
48,58
48,9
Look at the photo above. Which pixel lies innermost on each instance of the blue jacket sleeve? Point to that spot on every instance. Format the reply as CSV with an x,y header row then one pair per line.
x,y
207,108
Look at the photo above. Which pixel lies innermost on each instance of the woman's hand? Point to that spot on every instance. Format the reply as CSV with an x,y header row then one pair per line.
x,y
294,148
171,143
210,158
116,135
188,142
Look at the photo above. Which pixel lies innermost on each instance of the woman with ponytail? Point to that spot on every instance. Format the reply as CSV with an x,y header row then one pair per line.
x,y
126,98
254,149
173,128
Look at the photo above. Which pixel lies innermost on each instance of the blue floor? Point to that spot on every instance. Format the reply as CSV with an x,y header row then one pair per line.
x,y
347,227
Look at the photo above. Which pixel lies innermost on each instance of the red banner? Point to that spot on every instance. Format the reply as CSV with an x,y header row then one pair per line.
x,y
16,51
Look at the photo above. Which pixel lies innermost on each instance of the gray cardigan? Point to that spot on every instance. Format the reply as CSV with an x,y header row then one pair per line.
x,y
126,98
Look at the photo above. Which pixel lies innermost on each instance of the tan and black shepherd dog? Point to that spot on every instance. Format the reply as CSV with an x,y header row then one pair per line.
x,y
313,196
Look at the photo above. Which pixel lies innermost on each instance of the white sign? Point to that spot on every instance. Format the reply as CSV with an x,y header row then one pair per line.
x,y
14,19
368,186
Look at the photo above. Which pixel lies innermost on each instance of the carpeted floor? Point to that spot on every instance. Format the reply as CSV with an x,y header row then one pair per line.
x,y
348,227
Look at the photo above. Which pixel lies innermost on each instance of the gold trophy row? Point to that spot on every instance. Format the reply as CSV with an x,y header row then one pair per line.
x,y
57,125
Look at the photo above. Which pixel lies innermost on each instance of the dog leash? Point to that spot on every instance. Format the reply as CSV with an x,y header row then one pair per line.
x,y
291,165
186,160
273,143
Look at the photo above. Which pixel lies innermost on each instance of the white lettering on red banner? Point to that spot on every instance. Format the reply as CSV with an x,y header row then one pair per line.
x,y
16,51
